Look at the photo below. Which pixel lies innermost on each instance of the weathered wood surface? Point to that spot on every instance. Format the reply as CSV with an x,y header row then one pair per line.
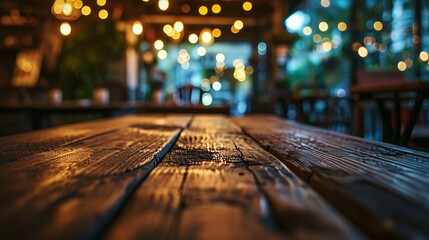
x,y
382,188
44,140
216,183
75,185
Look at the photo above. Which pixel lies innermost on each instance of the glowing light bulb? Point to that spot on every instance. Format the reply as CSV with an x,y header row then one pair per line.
x,y
158,44
217,86
325,3
178,26
378,26
193,38
203,10
162,54
206,37
247,6
238,24
86,10
307,30
78,4
216,32
216,8
323,26
326,46
65,28
67,9
137,28
201,51
363,52
168,29
402,66
424,56
234,30
342,26
101,2
163,4
103,14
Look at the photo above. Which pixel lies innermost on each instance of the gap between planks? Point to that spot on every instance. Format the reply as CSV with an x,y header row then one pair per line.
x,y
380,206
78,204
207,185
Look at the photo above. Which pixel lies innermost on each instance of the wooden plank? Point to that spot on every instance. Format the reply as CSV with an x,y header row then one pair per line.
x,y
47,139
383,188
218,183
74,190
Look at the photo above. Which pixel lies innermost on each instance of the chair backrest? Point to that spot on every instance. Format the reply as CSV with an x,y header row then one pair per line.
x,y
315,106
313,89
370,77
189,95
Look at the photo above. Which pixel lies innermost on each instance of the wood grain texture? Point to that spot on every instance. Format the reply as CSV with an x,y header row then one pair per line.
x,y
216,183
74,189
48,139
384,189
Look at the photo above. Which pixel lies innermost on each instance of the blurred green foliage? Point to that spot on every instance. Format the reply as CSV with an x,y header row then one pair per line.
x,y
85,58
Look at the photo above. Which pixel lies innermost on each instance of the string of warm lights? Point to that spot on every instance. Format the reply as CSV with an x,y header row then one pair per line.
x,y
70,10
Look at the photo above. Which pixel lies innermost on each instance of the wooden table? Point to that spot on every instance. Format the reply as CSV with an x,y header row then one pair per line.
x,y
395,94
208,177
40,113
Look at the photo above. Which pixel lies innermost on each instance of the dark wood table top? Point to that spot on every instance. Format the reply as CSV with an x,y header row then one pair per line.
x,y
208,177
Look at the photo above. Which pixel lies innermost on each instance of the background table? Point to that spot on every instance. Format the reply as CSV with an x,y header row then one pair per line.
x,y
41,114
208,177
395,93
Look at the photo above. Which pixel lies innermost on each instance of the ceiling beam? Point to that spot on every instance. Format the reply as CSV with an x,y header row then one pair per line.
x,y
197,20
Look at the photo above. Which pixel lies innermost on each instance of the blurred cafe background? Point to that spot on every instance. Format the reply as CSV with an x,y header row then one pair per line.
x,y
64,61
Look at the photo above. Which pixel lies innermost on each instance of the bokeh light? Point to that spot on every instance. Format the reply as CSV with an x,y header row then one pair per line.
x,y
307,30
178,26
323,26
201,51
424,56
217,86
86,10
216,8
137,28
193,38
239,24
363,52
378,26
203,10
65,28
342,26
158,44
207,99
247,6
103,14
163,4
216,32
162,54
402,66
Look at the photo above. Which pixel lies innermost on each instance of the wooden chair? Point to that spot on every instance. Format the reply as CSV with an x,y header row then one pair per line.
x,y
315,106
